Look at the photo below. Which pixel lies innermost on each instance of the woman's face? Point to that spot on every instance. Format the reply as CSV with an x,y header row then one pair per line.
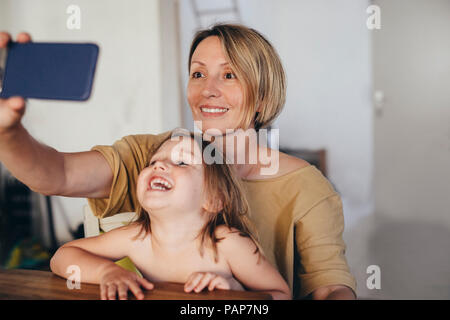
x,y
214,93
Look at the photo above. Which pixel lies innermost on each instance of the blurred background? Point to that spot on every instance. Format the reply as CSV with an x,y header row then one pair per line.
x,y
372,100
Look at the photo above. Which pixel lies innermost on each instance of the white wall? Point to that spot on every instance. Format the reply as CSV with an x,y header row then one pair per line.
x,y
127,96
412,149
325,48
171,66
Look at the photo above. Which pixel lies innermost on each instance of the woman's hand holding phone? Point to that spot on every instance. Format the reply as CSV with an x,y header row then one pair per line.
x,y
11,109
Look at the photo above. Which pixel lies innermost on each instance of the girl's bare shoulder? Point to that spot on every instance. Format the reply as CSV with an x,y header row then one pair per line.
x,y
231,238
131,232
224,231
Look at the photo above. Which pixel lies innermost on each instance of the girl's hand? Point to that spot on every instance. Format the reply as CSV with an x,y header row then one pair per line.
x,y
197,281
117,280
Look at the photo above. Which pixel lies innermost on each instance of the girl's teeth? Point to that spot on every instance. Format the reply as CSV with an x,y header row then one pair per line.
x,y
166,185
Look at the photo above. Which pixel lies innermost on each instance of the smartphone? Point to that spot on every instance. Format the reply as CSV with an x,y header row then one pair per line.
x,y
42,70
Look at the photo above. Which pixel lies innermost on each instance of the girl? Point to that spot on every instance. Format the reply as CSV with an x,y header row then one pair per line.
x,y
191,228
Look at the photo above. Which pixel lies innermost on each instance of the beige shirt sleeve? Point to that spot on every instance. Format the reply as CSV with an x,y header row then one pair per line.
x,y
321,248
126,157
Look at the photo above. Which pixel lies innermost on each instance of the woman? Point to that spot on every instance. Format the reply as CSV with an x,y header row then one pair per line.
x,y
236,81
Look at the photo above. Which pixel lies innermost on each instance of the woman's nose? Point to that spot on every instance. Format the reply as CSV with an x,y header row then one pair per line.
x,y
211,88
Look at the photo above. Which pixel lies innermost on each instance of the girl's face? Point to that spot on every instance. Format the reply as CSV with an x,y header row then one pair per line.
x,y
173,179
214,93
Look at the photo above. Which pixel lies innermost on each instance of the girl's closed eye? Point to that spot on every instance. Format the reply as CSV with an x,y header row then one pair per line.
x,y
183,160
178,163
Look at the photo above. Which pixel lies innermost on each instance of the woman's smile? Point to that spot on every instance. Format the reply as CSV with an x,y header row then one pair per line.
x,y
213,111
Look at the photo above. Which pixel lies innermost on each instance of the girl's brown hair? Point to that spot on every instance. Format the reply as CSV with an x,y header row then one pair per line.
x,y
226,190
256,65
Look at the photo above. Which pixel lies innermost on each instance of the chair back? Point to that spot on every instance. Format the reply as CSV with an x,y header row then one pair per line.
x,y
93,226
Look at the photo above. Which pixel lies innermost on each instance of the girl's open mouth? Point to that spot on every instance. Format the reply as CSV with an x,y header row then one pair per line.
x,y
159,184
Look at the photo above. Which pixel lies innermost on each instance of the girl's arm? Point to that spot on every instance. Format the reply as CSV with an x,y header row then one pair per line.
x,y
94,257
251,269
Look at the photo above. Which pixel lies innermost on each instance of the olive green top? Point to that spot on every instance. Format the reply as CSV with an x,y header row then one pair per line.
x,y
298,216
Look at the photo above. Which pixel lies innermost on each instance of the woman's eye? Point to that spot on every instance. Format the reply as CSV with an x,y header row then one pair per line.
x,y
230,75
197,74
181,163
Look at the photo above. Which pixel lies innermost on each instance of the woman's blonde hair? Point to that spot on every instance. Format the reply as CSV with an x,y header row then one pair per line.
x,y
258,68
222,185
